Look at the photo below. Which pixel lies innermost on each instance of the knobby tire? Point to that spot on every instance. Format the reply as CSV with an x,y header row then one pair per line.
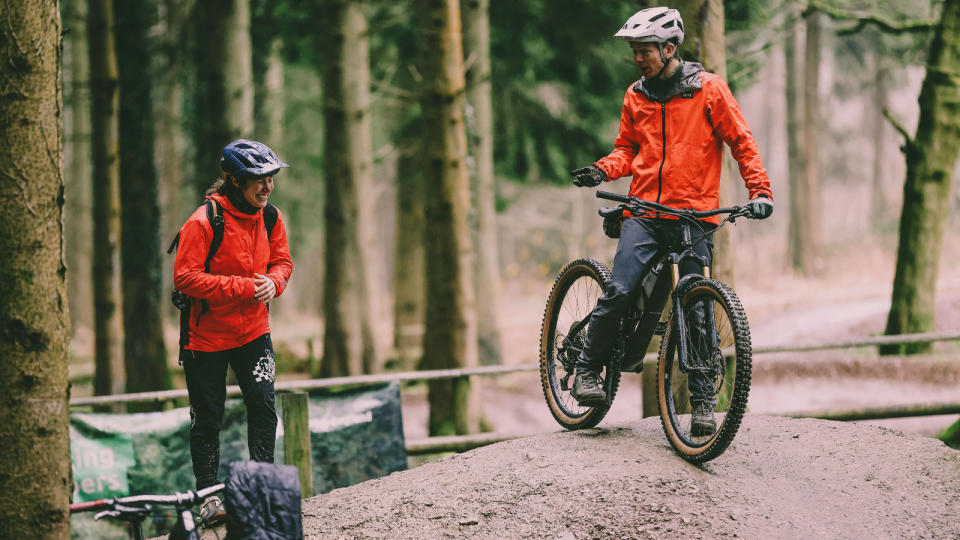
x,y
732,394
572,298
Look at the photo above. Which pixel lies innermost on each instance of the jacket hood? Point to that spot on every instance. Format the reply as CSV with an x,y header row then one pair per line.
x,y
687,79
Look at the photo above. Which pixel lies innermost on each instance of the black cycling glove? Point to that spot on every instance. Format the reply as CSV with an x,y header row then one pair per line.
x,y
589,176
760,207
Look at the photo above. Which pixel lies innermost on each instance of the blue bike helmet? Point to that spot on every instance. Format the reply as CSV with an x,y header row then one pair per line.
x,y
250,159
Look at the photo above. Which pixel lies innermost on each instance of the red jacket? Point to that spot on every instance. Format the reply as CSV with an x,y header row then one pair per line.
x,y
674,148
234,317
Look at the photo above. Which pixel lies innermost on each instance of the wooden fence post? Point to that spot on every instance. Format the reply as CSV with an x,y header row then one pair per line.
x,y
648,393
296,438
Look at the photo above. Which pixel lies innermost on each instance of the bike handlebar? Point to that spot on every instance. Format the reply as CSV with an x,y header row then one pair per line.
x,y
652,206
176,499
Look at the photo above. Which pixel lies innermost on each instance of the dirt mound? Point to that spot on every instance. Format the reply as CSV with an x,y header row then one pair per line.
x,y
780,478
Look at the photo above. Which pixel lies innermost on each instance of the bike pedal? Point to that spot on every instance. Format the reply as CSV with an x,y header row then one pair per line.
x,y
661,328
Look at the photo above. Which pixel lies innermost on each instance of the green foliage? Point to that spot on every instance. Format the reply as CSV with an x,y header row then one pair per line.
x,y
558,83
746,15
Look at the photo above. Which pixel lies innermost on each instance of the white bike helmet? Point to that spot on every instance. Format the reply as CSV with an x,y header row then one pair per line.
x,y
659,24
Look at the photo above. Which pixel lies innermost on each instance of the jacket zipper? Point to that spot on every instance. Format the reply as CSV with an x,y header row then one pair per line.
x,y
663,157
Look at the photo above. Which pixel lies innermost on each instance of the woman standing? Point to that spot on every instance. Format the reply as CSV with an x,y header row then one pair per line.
x,y
228,287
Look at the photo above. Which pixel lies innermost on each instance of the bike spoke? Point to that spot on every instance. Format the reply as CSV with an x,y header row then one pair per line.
x,y
576,292
707,374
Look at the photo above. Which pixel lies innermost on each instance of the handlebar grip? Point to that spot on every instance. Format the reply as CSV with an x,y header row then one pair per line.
x,y
612,196
89,505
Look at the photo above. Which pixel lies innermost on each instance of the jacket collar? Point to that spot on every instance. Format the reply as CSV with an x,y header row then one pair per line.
x,y
687,79
229,208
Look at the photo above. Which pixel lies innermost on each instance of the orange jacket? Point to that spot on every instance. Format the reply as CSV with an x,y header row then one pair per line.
x,y
234,317
674,148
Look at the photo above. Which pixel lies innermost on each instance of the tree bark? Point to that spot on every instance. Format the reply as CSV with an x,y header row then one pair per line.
x,y
350,345
878,198
223,106
798,236
476,42
704,41
76,155
409,268
451,332
170,144
931,159
269,98
104,121
810,224
34,323
144,351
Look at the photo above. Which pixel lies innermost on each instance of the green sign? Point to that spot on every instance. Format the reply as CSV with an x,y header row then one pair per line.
x,y
100,463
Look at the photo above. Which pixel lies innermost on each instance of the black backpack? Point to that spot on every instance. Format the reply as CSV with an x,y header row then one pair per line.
x,y
215,216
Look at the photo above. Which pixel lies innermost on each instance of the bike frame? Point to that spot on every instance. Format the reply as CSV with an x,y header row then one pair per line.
x,y
647,327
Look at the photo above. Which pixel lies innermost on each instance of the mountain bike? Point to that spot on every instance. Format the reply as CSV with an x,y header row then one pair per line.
x,y
136,508
704,334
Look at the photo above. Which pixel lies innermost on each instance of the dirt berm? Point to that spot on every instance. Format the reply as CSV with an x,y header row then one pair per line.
x,y
781,478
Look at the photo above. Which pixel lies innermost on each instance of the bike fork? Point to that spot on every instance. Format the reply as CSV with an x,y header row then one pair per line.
x,y
683,348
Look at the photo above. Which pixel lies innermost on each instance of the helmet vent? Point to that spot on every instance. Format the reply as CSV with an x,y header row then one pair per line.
x,y
658,16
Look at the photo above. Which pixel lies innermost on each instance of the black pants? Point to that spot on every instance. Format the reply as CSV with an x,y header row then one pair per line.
x,y
206,374
642,242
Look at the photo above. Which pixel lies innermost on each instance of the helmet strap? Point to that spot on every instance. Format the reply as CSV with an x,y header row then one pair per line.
x,y
666,61
663,59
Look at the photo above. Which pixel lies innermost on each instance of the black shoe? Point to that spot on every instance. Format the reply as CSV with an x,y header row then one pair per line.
x,y
702,422
586,389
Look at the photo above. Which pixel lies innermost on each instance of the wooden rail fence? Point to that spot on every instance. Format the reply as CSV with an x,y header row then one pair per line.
x,y
463,443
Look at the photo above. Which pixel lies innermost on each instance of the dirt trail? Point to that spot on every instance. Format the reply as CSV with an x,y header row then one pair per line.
x,y
781,478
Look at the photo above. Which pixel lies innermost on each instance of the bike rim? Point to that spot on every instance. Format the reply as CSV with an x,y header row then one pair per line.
x,y
578,297
720,353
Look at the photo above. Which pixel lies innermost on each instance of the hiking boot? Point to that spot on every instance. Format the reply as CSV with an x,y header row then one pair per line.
x,y
702,422
212,512
586,389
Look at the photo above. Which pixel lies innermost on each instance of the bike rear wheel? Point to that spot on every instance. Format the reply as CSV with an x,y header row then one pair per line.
x,y
719,363
574,295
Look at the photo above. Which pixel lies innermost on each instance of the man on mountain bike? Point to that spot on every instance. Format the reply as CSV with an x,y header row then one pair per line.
x,y
673,124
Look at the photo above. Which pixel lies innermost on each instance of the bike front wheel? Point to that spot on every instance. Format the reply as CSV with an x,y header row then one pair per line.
x,y
715,372
563,334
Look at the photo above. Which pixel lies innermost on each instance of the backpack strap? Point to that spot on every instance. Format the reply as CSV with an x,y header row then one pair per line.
x,y
215,217
270,216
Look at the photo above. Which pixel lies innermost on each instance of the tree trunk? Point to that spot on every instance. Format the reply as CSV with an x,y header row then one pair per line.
x,y
108,325
269,98
144,350
350,345
169,132
798,236
409,273
223,106
878,198
476,43
931,159
704,42
34,323
450,339
76,154
810,225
